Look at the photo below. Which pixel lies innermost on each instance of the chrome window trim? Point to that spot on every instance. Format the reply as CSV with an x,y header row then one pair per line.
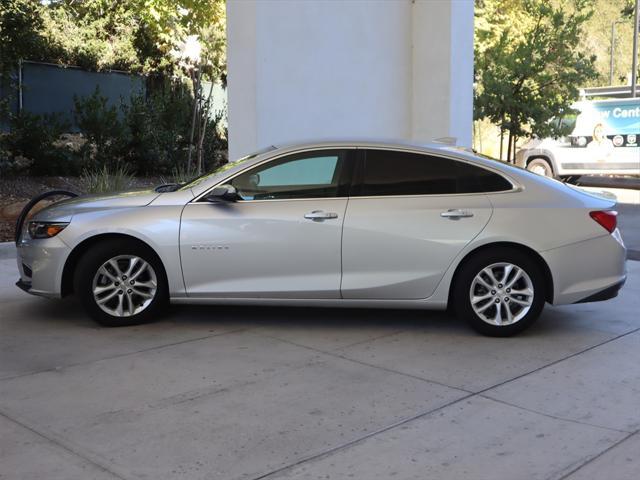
x,y
517,187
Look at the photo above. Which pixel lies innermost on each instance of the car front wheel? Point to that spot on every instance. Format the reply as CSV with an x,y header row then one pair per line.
x,y
121,283
499,292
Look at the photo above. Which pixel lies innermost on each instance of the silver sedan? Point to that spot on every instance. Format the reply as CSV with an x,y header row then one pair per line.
x,y
349,224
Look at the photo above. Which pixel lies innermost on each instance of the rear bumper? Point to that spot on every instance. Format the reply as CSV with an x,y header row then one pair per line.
x,y
606,294
588,270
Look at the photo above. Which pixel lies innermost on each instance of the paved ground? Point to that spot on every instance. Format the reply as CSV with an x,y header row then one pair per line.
x,y
248,393
629,222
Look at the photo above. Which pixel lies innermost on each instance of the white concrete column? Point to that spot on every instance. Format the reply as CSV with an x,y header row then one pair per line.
x,y
241,73
442,70
311,69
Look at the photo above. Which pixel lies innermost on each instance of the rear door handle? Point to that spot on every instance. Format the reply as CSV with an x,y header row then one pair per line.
x,y
455,214
320,215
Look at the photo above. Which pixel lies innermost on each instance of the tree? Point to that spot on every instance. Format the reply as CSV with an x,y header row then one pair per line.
x,y
93,34
168,25
21,33
528,64
138,36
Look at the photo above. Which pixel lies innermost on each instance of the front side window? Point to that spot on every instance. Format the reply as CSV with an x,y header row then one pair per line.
x,y
388,172
306,175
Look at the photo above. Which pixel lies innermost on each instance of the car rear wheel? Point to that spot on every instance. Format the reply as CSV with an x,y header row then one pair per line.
x,y
499,292
121,283
540,166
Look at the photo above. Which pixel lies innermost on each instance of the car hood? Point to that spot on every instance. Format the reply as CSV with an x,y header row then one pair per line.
x,y
65,209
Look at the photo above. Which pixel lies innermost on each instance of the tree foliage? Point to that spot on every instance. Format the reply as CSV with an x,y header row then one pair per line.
x,y
149,37
168,24
21,27
140,36
528,63
629,9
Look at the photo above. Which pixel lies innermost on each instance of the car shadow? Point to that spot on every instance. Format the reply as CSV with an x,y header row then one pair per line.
x,y
69,313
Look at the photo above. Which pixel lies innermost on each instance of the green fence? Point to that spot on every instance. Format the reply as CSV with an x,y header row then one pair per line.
x,y
45,88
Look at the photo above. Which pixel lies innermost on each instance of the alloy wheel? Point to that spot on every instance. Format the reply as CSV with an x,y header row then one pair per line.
x,y
124,285
501,294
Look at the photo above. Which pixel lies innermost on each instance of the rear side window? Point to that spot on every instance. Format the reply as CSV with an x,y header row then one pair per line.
x,y
472,179
387,172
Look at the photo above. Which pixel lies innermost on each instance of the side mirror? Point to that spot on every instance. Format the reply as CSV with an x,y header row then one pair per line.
x,y
223,193
254,179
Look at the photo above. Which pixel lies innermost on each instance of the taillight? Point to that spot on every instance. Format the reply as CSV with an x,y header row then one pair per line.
x,y
608,219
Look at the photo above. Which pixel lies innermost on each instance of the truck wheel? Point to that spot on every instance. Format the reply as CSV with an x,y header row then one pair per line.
x,y
541,167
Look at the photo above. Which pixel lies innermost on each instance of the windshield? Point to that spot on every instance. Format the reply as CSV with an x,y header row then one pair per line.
x,y
224,168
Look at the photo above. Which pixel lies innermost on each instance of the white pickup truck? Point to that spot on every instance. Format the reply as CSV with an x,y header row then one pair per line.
x,y
604,140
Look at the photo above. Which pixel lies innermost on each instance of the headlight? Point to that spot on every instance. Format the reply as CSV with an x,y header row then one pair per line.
x,y
46,229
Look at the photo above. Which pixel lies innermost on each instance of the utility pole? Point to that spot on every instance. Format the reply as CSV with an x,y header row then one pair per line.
x,y
634,63
613,49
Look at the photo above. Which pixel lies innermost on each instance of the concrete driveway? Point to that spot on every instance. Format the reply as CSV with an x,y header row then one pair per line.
x,y
249,393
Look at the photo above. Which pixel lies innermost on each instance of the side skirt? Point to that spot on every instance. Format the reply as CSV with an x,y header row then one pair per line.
x,y
315,302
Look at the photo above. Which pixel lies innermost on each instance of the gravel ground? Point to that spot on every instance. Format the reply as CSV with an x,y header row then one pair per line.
x,y
22,189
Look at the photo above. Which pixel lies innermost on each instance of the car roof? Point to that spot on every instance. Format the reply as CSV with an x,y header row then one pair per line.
x,y
434,147
368,143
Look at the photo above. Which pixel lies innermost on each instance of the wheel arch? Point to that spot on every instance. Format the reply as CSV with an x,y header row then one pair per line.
x,y
77,252
548,277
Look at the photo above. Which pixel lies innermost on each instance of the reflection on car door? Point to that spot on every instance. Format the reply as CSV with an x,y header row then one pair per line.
x,y
407,220
282,240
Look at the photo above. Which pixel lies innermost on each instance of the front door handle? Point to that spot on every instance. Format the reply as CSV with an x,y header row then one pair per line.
x,y
319,215
454,214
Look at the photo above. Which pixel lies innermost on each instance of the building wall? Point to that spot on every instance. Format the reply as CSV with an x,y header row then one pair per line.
x,y
305,70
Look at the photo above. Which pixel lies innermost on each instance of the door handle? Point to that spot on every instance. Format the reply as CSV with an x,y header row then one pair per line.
x,y
320,215
454,214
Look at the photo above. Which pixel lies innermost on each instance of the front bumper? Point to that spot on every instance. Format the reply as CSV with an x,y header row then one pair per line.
x,y
40,264
25,286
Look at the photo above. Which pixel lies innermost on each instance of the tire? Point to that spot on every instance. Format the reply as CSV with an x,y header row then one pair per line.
x,y
99,274
541,167
518,309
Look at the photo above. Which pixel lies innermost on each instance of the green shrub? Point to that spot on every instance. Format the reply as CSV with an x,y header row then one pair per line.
x,y
106,179
216,144
32,146
148,134
181,174
158,129
101,126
